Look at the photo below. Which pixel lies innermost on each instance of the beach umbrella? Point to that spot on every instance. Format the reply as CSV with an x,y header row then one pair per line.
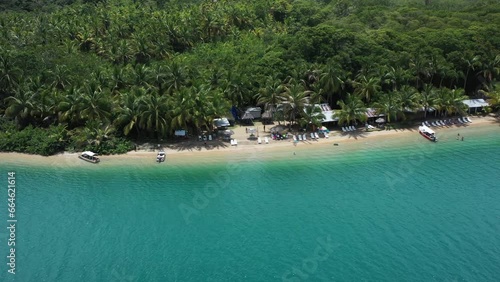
x,y
323,128
277,129
380,120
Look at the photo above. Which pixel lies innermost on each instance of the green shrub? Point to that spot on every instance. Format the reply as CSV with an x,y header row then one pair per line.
x,y
30,140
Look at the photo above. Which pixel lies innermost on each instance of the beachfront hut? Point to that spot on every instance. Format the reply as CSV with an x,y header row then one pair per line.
x,y
254,111
267,117
328,113
475,104
247,118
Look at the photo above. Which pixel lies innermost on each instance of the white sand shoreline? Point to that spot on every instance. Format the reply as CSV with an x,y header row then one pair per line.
x,y
223,151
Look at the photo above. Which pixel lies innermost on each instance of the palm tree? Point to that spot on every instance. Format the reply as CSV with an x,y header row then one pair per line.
x,y
141,75
331,81
59,77
129,110
313,116
95,132
451,101
315,93
9,74
351,109
395,77
176,77
95,103
235,88
494,99
472,63
427,98
154,113
183,107
21,105
408,96
158,78
390,105
489,69
270,94
69,105
420,68
294,97
366,87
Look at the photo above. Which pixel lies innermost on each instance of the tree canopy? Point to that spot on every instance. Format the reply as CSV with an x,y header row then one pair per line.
x,y
101,70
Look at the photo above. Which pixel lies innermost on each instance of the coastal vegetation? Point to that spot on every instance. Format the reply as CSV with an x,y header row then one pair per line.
x,y
99,74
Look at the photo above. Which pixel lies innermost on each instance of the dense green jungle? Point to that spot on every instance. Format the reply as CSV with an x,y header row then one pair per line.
x,y
102,75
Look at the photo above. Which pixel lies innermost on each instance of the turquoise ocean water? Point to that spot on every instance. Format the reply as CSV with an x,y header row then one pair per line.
x,y
380,211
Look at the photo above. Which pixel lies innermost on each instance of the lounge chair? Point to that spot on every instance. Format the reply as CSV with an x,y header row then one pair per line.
x,y
199,137
316,135
210,137
440,122
352,128
426,123
294,138
232,142
266,140
326,135
312,136
433,124
235,142
259,141
304,137
460,120
204,138
299,137
467,119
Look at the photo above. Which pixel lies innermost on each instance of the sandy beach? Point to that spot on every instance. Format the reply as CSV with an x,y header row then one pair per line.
x,y
187,152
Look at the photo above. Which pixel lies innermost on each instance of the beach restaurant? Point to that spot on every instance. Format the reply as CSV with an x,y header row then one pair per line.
x,y
475,104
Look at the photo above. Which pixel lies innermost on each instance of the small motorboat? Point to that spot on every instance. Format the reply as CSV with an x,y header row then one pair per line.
x,y
161,157
427,133
89,157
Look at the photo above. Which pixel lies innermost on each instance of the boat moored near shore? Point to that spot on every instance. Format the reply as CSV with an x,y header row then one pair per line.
x,y
89,157
160,157
427,133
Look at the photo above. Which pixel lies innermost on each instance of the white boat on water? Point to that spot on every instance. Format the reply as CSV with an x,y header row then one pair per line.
x,y
427,133
89,157
161,157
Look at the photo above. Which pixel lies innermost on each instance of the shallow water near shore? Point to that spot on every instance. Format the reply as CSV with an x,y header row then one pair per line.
x,y
399,210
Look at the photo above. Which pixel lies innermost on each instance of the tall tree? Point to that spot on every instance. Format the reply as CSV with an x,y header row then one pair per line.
x,y
351,110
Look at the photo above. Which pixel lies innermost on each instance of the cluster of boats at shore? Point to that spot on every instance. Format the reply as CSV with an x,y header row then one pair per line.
x,y
91,157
